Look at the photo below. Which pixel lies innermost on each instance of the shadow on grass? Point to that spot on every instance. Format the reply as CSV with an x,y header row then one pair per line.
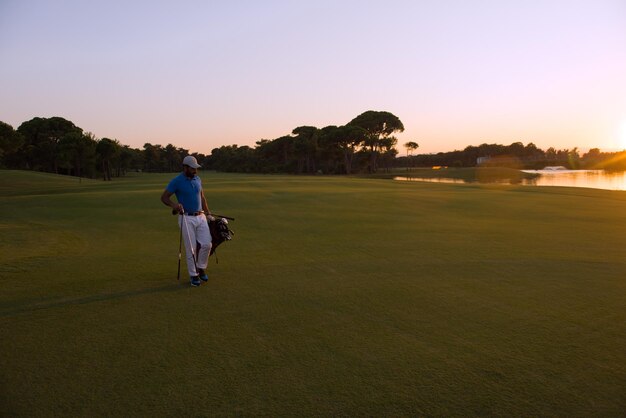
x,y
63,302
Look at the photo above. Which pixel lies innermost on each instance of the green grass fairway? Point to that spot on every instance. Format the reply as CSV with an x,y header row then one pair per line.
x,y
337,297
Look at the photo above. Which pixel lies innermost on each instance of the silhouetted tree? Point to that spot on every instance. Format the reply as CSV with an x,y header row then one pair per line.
x,y
107,150
379,126
306,148
42,137
153,157
76,151
410,147
10,144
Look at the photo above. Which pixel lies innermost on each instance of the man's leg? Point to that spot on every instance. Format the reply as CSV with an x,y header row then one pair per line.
x,y
189,237
203,237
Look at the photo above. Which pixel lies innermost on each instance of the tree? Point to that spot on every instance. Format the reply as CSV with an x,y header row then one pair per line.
x,y
76,152
277,155
573,158
306,147
153,157
410,147
347,139
42,137
379,126
10,143
107,150
173,158
388,153
330,153
124,160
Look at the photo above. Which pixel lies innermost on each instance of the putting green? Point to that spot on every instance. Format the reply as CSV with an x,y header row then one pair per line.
x,y
337,296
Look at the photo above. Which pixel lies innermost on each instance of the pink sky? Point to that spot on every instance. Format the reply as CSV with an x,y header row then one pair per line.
x,y
204,74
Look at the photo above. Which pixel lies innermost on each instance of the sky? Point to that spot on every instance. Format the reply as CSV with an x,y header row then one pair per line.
x,y
202,74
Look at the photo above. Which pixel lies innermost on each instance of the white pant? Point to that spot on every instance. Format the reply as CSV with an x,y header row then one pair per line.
x,y
197,237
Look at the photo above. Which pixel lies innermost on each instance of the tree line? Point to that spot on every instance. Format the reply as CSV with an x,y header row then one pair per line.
x,y
56,145
364,144
517,155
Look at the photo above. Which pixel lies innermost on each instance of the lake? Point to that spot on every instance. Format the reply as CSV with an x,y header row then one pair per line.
x,y
595,179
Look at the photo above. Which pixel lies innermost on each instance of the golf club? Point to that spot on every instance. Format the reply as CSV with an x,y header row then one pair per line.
x,y
180,249
174,212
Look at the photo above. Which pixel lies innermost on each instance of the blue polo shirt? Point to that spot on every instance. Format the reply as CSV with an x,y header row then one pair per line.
x,y
187,192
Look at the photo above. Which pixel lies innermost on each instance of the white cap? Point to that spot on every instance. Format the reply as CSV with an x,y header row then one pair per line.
x,y
191,162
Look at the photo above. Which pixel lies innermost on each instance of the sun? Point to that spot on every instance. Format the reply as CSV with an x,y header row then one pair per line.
x,y
622,135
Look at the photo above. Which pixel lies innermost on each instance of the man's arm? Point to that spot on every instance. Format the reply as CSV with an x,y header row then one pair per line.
x,y
165,198
205,206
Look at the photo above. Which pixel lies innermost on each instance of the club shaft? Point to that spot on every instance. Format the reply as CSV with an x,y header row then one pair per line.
x,y
175,212
222,216
180,250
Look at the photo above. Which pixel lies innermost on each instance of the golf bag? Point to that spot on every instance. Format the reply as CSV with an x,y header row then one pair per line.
x,y
220,232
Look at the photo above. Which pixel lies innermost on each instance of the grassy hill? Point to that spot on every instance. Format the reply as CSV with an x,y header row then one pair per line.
x,y
338,296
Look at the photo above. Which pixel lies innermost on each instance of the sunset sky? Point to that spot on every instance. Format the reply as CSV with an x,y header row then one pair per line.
x,y
201,74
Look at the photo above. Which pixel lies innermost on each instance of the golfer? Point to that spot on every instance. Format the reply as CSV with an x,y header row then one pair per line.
x,y
193,210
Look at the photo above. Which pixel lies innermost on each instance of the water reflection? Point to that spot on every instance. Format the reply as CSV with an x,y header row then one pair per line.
x,y
596,179
430,180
